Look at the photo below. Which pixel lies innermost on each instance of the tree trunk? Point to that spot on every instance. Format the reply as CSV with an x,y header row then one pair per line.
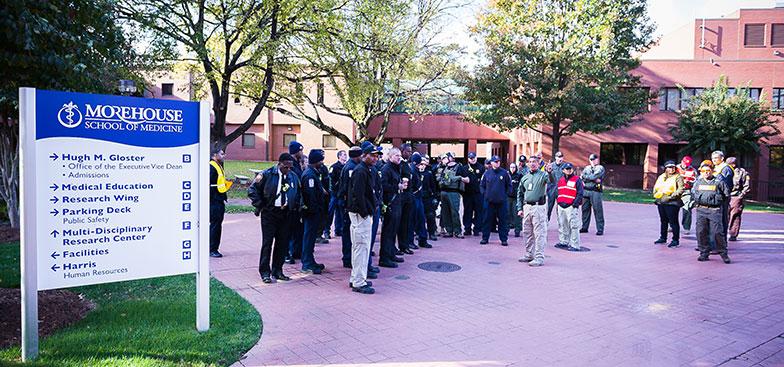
x,y
556,146
9,168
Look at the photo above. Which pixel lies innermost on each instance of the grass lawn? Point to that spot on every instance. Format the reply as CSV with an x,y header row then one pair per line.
x,y
148,322
645,197
242,168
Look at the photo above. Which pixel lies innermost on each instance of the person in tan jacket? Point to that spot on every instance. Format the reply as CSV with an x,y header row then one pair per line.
x,y
740,188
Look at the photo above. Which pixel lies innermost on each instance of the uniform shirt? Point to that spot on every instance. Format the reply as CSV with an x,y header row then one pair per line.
x,y
323,172
312,193
449,178
334,177
429,187
265,193
361,195
390,179
533,187
741,184
345,175
496,185
592,177
474,172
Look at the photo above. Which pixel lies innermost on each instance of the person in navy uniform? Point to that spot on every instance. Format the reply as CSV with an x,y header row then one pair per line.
x,y
393,186
354,154
408,211
323,174
496,186
430,196
217,201
313,210
420,220
335,205
472,197
515,221
361,204
275,193
297,227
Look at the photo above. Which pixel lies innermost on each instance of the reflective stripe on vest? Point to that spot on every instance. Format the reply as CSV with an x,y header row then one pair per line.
x,y
567,190
222,185
665,186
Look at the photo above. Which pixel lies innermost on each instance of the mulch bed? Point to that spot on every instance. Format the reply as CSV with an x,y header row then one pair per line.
x,y
56,309
8,234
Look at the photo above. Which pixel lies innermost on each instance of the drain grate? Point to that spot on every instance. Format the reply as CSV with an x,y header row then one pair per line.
x,y
494,263
402,277
613,246
439,267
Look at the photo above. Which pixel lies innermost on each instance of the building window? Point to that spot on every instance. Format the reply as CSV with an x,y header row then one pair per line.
x,y
673,99
248,140
167,89
320,93
629,154
329,141
288,138
754,35
751,93
777,35
776,156
778,99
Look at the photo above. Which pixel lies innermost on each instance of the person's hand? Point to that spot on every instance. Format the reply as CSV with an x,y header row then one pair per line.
x,y
519,213
257,179
466,179
548,167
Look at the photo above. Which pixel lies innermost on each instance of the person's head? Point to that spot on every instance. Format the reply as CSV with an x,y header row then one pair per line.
x,y
406,151
472,158
444,159
522,159
706,169
394,155
512,167
593,159
559,157
316,158
732,162
355,153
217,153
450,158
686,161
669,167
567,169
717,157
296,149
285,162
533,162
495,162
370,153
342,156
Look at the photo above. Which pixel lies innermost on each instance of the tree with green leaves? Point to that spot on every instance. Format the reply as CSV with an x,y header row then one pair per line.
x,y
74,46
560,66
719,120
236,47
377,57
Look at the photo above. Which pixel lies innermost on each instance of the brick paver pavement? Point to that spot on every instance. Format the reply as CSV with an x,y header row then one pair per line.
x,y
625,303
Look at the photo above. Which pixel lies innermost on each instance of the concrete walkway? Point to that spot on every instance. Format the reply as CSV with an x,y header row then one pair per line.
x,y
626,302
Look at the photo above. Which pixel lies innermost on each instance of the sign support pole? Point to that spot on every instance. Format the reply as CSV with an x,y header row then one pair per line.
x,y
203,270
29,253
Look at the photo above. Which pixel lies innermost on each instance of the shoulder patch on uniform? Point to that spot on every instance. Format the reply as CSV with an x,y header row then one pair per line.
x,y
350,172
311,183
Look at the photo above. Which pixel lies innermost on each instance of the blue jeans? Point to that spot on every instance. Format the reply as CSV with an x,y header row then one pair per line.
x,y
295,240
309,240
335,211
493,212
374,229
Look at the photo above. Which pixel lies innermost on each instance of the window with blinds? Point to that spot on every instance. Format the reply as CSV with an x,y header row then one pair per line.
x,y
754,35
777,35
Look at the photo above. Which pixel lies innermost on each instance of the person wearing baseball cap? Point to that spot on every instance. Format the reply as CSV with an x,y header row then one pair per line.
x,y
297,226
313,210
496,185
451,184
570,191
532,206
667,195
709,193
593,179
419,219
361,206
689,175
552,188
472,197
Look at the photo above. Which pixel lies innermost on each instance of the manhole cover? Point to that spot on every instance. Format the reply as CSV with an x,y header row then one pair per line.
x,y
402,277
613,246
494,263
439,267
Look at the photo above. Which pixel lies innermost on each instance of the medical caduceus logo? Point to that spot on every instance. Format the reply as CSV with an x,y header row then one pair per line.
x,y
69,116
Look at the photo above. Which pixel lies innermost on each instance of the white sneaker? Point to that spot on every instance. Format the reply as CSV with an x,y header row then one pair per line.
x,y
536,262
525,259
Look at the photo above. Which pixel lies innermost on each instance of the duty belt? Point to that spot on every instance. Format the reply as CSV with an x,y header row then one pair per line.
x,y
538,202
707,206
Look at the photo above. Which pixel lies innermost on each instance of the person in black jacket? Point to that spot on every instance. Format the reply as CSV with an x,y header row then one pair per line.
x,y
420,220
313,210
322,235
472,197
335,205
429,197
361,206
217,202
496,185
515,221
346,172
275,193
297,228
405,235
393,186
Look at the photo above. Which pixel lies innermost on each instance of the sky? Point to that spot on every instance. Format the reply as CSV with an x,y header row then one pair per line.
x,y
667,14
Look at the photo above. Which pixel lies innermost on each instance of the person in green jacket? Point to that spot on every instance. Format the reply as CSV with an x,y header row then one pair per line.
x,y
667,194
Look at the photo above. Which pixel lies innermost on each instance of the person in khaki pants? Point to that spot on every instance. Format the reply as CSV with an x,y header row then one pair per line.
x,y
532,206
569,196
361,206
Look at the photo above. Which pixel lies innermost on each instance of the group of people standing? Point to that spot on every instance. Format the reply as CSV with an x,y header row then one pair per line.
x,y
715,190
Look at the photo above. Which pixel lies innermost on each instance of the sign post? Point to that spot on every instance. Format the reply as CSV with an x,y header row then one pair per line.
x,y
113,188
